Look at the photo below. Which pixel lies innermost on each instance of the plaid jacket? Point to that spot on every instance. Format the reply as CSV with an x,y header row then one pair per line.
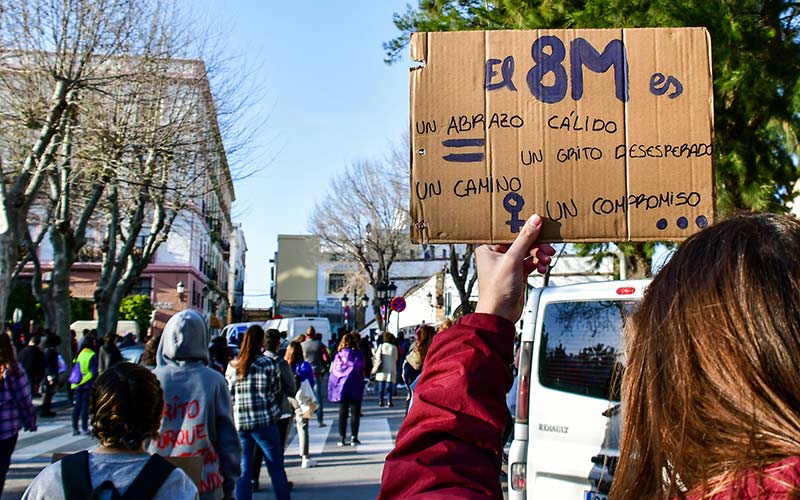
x,y
16,409
256,397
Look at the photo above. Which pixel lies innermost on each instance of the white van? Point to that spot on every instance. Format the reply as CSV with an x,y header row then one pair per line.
x,y
123,327
295,326
566,432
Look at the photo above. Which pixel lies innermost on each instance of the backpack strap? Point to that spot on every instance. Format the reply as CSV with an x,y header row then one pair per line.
x,y
147,483
97,493
75,476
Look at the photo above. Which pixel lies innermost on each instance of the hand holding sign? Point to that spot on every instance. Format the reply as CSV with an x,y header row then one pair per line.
x,y
503,271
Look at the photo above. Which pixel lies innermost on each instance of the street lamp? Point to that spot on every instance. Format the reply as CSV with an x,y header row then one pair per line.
x,y
384,293
181,290
345,311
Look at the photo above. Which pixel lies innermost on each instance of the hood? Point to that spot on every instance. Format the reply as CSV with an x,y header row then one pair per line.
x,y
185,338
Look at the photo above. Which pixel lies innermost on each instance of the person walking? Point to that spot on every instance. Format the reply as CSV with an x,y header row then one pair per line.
x,y
255,383
87,365
385,368
346,386
313,353
197,419
108,354
127,404
303,372
288,390
16,407
51,343
32,360
412,366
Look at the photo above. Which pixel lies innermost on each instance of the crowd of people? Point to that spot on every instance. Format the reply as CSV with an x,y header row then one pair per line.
x,y
233,410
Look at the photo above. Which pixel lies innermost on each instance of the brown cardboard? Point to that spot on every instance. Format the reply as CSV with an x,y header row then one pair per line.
x,y
475,140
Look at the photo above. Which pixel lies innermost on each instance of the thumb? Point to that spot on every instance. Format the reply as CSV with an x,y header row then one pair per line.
x,y
526,238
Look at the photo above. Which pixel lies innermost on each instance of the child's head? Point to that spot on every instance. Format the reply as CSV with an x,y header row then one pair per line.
x,y
127,403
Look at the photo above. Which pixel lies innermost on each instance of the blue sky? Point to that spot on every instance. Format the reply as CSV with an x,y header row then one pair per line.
x,y
329,98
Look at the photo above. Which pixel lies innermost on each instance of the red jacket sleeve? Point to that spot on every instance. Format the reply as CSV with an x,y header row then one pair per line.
x,y
449,445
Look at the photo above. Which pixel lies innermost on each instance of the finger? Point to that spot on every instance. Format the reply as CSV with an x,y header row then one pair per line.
x,y
546,248
542,268
526,238
544,259
529,265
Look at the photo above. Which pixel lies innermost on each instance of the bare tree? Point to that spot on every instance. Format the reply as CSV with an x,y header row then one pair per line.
x,y
464,274
60,50
364,217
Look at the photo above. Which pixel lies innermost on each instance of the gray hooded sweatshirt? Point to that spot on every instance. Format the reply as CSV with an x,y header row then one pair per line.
x,y
197,417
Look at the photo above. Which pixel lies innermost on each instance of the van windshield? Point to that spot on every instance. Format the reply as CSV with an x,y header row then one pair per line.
x,y
581,349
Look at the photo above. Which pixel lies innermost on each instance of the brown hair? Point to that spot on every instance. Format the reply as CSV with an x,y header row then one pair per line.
x,y
294,353
711,388
8,357
150,350
252,341
388,337
424,339
350,341
126,405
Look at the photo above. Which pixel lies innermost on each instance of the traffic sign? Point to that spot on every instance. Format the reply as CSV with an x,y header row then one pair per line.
x,y
398,304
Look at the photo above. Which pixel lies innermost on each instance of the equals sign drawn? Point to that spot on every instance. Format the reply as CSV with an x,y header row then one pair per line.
x,y
463,143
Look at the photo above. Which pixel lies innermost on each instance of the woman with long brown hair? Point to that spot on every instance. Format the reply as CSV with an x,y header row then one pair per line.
x,y
711,391
255,385
16,407
303,372
412,366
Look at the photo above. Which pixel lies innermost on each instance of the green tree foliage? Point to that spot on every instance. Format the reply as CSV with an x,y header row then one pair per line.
x,y
137,308
756,68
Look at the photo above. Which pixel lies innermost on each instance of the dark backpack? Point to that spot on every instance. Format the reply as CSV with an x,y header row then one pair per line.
x,y
78,484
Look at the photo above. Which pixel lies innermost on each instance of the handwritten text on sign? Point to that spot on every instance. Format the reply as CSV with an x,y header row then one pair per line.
x,y
539,137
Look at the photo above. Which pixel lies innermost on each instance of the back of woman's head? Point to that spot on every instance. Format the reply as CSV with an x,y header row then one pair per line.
x,y
424,338
89,342
711,387
249,350
294,353
349,341
126,405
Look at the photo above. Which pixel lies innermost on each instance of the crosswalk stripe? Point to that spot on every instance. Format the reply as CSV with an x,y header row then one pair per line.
x,y
375,436
317,436
41,429
48,446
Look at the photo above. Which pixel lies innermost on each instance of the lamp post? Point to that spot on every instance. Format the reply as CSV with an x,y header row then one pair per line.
x,y
430,303
384,293
345,312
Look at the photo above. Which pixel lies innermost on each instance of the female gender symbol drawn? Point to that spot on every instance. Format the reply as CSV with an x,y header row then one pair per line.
x,y
513,204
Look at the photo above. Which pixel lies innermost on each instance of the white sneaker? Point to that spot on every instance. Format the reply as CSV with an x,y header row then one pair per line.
x,y
308,463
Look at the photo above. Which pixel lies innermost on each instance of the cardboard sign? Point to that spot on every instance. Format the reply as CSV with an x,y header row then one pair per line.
x,y
607,134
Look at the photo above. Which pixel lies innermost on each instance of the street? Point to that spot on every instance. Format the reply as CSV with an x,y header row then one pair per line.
x,y
342,472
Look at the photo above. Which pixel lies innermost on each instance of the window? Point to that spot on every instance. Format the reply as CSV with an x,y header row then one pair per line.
x,y
144,286
581,350
335,283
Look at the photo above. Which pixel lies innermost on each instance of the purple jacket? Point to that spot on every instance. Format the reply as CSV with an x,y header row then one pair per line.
x,y
346,380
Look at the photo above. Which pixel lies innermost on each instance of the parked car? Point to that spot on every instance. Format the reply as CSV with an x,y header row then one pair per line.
x,y
233,332
566,432
132,353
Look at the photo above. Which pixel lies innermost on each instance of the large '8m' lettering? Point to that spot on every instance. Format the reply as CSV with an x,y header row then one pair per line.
x,y
582,54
